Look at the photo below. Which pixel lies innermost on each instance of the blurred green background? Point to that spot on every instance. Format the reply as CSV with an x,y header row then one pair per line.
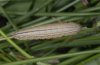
x,y
80,49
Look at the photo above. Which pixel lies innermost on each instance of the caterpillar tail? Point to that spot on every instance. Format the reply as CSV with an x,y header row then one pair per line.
x,y
2,38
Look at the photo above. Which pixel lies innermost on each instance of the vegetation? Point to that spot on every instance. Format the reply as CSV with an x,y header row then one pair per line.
x,y
80,49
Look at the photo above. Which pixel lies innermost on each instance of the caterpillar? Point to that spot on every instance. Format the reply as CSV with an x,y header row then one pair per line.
x,y
48,31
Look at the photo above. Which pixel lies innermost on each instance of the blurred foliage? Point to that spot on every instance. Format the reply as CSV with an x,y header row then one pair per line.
x,y
80,49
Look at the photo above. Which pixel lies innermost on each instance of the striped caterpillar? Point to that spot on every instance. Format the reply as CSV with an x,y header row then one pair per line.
x,y
48,31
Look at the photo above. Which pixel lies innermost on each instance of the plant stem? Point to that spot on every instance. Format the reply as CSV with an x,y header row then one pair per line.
x,y
15,46
53,57
68,14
